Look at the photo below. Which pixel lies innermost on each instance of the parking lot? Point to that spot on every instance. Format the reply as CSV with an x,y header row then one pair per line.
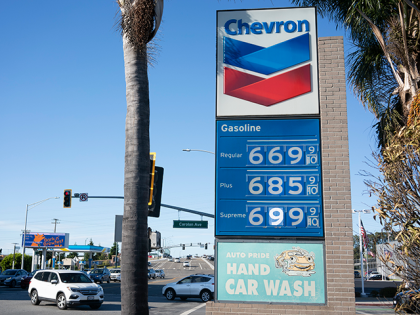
x,y
16,301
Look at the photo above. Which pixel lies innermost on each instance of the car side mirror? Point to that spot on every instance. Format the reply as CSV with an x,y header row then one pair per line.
x,y
54,281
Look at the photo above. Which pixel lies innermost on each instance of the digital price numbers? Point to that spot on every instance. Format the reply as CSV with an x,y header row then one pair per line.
x,y
282,216
282,155
268,178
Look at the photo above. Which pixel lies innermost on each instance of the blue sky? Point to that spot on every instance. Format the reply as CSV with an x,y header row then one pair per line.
x,y
63,117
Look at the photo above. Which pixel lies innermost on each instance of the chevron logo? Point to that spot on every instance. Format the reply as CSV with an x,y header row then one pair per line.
x,y
272,90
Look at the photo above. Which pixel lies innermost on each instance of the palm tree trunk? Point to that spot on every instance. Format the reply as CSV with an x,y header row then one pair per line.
x,y
134,287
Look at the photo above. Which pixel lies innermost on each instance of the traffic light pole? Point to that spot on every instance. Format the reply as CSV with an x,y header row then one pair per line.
x,y
76,195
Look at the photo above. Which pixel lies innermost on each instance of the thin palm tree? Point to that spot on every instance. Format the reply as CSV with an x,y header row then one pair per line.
x,y
140,20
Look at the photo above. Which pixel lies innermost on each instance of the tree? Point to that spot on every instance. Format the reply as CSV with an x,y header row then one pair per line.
x,y
398,206
7,262
113,250
384,64
139,23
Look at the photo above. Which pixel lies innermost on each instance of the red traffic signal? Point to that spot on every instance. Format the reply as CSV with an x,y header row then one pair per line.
x,y
67,198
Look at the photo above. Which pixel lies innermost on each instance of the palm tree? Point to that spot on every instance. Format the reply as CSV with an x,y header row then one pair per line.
x,y
140,20
384,63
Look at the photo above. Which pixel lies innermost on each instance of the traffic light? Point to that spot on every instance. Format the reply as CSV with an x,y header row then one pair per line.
x,y
183,246
205,246
67,198
154,208
152,176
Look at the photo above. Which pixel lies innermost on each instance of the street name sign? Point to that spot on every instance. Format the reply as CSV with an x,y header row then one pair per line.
x,y
190,224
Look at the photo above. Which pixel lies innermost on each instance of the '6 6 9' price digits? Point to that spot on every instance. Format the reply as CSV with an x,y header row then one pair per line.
x,y
283,216
266,155
278,185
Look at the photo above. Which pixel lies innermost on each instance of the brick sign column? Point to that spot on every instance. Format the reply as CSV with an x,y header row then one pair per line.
x,y
340,298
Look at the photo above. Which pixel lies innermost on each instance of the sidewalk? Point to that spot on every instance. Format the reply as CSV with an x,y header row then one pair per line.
x,y
374,301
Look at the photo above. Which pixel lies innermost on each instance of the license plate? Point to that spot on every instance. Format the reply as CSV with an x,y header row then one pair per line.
x,y
90,297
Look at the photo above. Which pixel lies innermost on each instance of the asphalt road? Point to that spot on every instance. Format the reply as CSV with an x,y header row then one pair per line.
x,y
16,301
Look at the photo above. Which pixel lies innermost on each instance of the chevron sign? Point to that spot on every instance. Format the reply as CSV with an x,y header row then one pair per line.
x,y
267,62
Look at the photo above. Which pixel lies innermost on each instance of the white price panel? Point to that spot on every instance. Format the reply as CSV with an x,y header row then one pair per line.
x,y
283,216
282,185
282,155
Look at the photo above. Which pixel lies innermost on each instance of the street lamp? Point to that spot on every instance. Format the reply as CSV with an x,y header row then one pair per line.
x,y
361,249
189,150
32,205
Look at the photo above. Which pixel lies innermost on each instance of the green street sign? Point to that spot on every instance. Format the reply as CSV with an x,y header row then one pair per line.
x,y
191,224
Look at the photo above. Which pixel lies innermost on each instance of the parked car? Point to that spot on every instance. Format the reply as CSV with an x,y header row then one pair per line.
x,y
115,274
189,256
24,282
194,286
170,259
406,301
177,260
377,277
151,274
186,264
100,275
357,274
66,288
160,273
12,277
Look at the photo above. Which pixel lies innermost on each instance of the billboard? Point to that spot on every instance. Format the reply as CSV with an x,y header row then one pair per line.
x,y
50,240
254,271
267,62
268,178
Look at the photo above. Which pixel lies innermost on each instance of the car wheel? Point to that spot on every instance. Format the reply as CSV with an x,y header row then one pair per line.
x,y
13,284
61,301
95,306
205,295
34,297
170,294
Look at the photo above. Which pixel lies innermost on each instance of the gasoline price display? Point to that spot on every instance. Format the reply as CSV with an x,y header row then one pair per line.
x,y
268,178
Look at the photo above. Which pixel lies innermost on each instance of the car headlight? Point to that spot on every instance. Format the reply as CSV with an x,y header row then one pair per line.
x,y
72,289
100,289
9,278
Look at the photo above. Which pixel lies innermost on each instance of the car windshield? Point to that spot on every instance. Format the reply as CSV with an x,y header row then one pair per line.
x,y
9,272
74,278
97,271
115,271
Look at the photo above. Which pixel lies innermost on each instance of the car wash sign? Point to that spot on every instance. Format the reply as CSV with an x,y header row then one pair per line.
x,y
270,272
267,62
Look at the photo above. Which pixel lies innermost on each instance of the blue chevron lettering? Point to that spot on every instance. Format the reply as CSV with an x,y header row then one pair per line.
x,y
237,27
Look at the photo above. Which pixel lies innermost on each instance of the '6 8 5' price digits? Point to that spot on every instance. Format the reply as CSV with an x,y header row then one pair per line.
x,y
276,185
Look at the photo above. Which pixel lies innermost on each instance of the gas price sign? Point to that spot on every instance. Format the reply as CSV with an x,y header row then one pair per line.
x,y
268,178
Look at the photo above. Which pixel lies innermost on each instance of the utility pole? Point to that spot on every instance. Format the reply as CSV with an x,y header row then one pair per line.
x,y
55,224
14,251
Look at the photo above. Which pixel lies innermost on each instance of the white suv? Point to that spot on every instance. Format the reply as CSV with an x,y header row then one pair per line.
x,y
66,288
194,286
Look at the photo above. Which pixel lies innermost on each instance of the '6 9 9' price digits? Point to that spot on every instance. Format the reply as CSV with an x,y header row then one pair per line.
x,y
283,216
266,155
277,185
